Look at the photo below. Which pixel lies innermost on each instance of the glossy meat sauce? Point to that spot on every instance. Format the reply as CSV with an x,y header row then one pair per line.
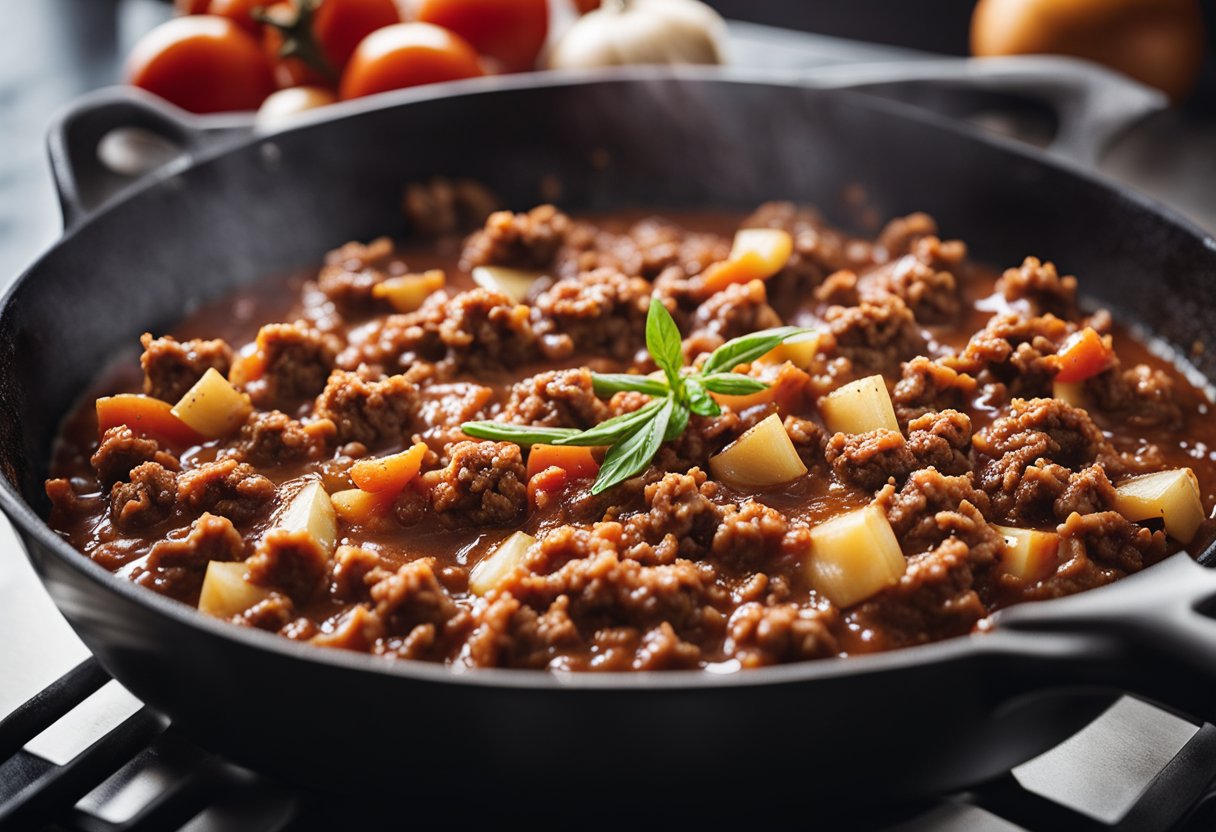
x,y
669,570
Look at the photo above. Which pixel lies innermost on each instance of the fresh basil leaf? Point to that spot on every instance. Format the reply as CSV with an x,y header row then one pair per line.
x,y
677,423
630,456
608,383
519,434
747,348
615,429
733,384
663,342
699,401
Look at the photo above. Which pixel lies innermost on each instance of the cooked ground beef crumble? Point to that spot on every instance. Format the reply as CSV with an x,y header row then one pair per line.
x,y
672,568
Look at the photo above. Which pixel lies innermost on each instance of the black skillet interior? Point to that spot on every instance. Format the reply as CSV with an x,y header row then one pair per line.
x,y
279,203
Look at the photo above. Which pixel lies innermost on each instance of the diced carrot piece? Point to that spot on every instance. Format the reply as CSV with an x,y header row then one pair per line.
x,y
246,368
742,269
578,462
546,482
1084,355
389,473
145,415
362,508
757,254
786,390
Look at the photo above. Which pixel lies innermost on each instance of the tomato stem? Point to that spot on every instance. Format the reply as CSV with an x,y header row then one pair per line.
x,y
298,39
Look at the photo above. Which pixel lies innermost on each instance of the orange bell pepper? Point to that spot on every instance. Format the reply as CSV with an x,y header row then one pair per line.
x,y
389,473
145,415
1084,355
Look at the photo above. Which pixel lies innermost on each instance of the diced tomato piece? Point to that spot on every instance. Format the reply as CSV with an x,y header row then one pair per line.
x,y
145,415
1084,355
578,462
389,473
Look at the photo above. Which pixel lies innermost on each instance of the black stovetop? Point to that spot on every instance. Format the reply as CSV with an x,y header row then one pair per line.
x,y
78,752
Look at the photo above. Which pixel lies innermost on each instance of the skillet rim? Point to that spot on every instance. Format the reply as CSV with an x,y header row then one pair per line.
x,y
973,646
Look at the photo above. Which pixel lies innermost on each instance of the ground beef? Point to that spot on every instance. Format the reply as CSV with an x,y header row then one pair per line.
x,y
473,331
172,367
1013,355
758,635
144,501
351,273
808,437
877,334
704,437
442,206
926,386
290,561
839,289
900,235
650,248
484,484
121,450
1107,538
296,362
925,280
226,487
934,597
937,440
521,241
1031,453
1041,285
1087,491
680,520
739,309
373,413
413,604
931,507
608,591
602,311
272,438
177,564
749,536
556,399
1140,397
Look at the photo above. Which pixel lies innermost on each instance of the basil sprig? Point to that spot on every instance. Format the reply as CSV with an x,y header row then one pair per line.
x,y
634,438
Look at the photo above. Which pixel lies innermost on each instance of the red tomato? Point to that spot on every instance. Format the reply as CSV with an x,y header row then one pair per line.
x,y
202,63
239,12
339,26
406,55
511,32
585,6
191,6
311,41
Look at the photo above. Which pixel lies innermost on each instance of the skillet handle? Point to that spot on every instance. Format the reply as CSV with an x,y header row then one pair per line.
x,y
1154,622
1093,105
109,139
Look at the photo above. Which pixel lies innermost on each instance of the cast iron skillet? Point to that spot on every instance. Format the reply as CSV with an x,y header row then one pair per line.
x,y
923,719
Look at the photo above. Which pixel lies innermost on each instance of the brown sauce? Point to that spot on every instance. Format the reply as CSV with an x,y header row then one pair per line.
x,y
703,575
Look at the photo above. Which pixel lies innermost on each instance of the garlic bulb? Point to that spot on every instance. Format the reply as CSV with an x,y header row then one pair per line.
x,y
642,32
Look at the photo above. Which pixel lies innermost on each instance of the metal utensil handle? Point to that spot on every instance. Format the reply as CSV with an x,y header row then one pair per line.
x,y
1092,104
82,180
1157,623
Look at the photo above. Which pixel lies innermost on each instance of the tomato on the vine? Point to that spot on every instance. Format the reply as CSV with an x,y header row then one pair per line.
x,y
239,12
511,32
313,39
202,63
406,55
